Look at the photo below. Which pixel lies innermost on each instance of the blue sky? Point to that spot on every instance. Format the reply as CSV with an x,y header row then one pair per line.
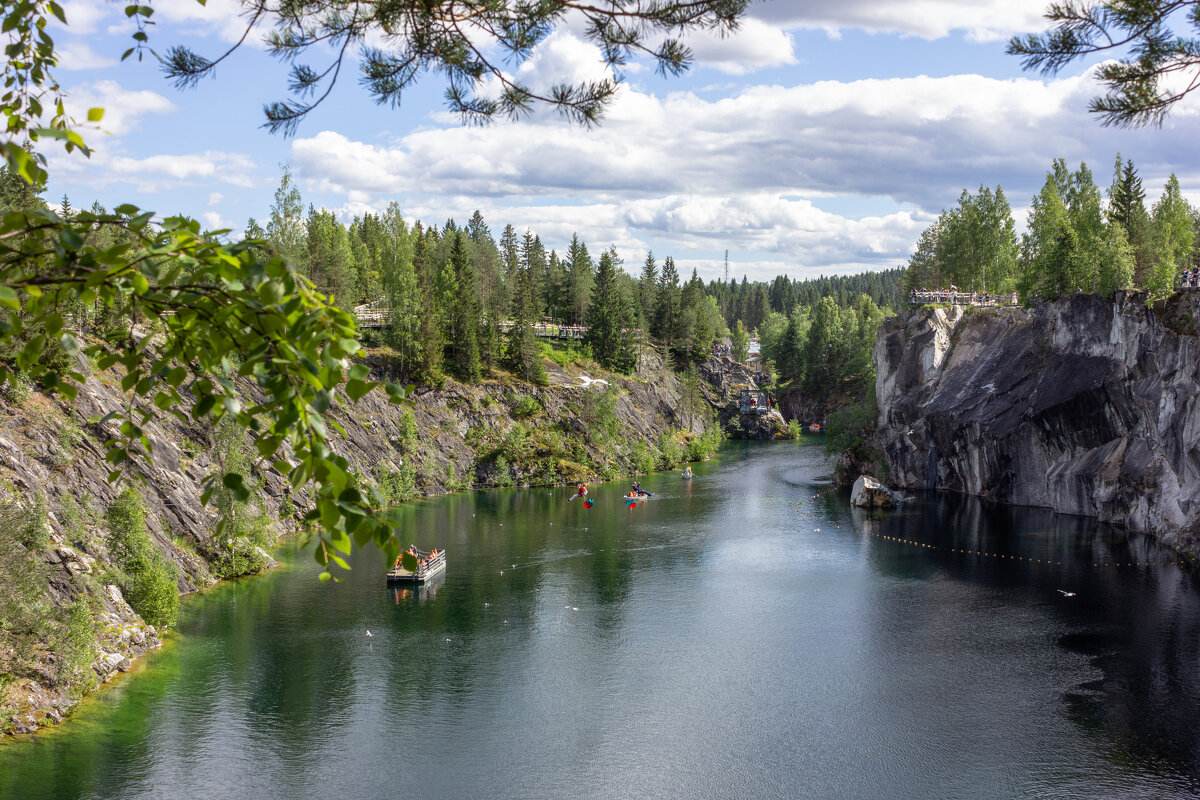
x,y
822,138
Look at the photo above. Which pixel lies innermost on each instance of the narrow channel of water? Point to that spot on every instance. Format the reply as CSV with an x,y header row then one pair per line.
x,y
735,636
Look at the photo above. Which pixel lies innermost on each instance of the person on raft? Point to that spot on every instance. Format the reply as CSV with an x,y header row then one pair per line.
x,y
639,491
580,493
687,472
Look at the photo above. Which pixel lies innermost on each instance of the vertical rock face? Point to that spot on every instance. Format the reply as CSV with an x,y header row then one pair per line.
x,y
1083,405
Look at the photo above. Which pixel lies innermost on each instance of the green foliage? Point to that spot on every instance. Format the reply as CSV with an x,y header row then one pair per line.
x,y
702,446
739,342
525,406
501,472
848,431
148,579
973,246
24,608
597,414
74,641
1172,238
671,450
244,525
642,458
397,485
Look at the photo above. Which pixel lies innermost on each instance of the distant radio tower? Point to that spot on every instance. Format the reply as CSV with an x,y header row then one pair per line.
x,y
727,266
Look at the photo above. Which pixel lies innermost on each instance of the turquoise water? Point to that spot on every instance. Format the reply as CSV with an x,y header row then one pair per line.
x,y
738,635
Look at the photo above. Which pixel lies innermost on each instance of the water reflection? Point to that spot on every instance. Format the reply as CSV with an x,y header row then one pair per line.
x,y
742,634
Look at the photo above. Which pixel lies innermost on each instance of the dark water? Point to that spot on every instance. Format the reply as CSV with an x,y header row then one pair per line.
x,y
709,644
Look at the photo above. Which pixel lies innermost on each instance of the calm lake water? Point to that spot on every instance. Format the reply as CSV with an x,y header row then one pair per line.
x,y
734,636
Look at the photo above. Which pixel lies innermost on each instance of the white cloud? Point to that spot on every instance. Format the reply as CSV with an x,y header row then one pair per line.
x,y
214,221
215,198
747,171
754,45
85,16
225,19
76,55
122,107
982,20
154,173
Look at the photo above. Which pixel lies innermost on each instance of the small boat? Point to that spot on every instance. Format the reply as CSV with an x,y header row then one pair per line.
x,y
814,428
429,565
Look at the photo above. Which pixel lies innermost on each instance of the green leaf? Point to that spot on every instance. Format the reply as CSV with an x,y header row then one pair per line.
x,y
8,298
95,114
236,484
409,561
356,389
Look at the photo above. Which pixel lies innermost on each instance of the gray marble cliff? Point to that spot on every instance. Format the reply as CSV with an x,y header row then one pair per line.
x,y
1083,405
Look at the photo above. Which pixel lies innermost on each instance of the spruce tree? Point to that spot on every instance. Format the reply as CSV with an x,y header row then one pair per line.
x,y
609,319
1127,208
523,353
580,275
330,260
466,314
402,294
665,324
647,289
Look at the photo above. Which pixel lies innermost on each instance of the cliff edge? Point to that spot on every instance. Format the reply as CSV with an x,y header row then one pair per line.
x,y
1083,405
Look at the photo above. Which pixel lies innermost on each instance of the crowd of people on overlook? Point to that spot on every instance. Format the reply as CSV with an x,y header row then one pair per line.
x,y
953,296
1190,278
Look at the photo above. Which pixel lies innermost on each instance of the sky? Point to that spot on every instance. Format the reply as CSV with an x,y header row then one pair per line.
x,y
820,139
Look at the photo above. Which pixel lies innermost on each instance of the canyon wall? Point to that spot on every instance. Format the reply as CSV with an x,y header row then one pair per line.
x,y
1083,405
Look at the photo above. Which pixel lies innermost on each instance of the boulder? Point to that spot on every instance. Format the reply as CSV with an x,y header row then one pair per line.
x,y
870,493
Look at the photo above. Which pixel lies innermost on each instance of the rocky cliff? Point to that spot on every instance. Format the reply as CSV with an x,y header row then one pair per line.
x,y
1082,405
54,489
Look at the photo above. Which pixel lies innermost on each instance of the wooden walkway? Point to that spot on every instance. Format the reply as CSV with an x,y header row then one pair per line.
x,y
370,317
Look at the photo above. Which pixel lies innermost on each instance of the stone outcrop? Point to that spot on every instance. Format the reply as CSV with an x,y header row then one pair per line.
x,y
1082,405
870,493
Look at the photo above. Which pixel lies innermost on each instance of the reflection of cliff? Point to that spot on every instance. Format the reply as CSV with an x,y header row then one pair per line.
x,y
1085,406
1130,631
